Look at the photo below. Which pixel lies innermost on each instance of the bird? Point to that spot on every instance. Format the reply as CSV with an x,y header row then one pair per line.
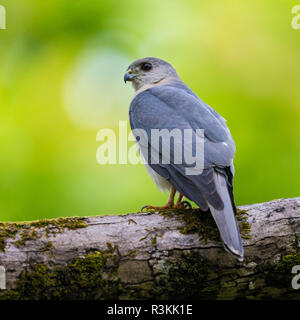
x,y
163,101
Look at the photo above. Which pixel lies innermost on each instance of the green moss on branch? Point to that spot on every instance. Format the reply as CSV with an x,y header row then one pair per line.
x,y
28,231
91,276
202,223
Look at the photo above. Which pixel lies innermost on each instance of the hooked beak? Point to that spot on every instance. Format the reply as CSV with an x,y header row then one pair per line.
x,y
129,76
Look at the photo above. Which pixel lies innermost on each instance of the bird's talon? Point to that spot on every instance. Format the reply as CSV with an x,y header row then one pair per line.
x,y
152,208
186,204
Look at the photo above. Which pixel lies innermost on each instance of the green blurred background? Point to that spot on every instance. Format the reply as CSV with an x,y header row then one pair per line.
x,y
61,80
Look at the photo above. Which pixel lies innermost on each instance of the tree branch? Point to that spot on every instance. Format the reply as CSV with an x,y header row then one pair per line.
x,y
171,255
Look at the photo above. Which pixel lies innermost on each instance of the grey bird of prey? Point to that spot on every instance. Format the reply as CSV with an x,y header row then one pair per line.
x,y
163,101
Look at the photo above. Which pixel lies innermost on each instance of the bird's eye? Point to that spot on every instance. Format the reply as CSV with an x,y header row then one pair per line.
x,y
146,66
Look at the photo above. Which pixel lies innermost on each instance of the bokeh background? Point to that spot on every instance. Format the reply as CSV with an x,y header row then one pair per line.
x,y
61,80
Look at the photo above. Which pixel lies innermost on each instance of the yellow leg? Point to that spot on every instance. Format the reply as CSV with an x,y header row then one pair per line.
x,y
168,205
178,203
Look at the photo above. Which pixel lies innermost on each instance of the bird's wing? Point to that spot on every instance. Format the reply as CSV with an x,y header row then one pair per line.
x,y
168,107
174,107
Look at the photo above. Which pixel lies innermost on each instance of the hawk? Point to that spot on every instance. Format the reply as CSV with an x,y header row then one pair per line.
x,y
162,101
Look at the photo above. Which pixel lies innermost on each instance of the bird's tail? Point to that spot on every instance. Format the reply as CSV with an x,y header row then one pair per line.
x,y
226,220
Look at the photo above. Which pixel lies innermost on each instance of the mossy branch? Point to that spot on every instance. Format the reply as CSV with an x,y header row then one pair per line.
x,y
167,255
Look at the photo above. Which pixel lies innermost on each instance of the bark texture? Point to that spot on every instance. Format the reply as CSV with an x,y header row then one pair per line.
x,y
170,255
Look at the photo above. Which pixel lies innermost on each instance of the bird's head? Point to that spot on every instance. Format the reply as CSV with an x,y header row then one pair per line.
x,y
148,71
